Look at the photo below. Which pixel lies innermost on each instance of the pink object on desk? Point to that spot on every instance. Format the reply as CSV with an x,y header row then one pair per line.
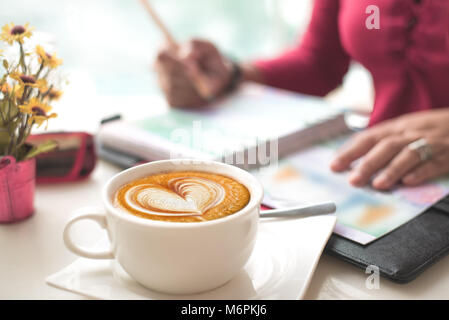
x,y
17,182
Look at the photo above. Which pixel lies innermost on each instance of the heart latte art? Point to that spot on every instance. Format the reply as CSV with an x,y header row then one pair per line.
x,y
188,196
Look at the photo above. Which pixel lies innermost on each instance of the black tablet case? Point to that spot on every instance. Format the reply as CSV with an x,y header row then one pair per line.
x,y
405,252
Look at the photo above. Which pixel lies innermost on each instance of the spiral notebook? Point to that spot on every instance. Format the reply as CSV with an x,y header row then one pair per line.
x,y
234,127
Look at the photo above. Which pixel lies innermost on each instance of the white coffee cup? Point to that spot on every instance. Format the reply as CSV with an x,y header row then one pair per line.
x,y
175,257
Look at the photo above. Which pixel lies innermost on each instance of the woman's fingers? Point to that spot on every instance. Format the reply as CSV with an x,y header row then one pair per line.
x,y
196,69
167,60
196,49
363,142
354,149
377,158
400,163
386,155
405,161
428,170
176,80
205,63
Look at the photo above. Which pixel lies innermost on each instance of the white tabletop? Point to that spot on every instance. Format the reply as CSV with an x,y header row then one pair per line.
x,y
33,249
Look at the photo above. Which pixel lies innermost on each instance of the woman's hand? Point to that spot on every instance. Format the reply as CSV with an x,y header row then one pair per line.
x,y
385,154
192,74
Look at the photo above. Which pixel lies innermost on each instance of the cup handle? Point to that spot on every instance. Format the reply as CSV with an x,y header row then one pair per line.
x,y
92,214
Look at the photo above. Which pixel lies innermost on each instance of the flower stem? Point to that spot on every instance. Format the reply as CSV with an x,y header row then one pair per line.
x,y
22,58
39,71
22,133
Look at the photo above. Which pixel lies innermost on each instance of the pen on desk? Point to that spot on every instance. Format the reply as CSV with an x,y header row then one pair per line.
x,y
304,211
111,118
199,82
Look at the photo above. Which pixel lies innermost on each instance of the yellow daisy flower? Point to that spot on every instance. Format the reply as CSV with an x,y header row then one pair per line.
x,y
18,91
39,120
54,94
50,93
36,107
5,88
38,111
28,80
13,91
47,59
11,33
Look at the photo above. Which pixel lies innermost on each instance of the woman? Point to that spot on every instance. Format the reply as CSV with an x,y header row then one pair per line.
x,y
408,56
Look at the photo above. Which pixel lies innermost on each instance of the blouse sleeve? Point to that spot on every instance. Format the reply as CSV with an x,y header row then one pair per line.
x,y
317,65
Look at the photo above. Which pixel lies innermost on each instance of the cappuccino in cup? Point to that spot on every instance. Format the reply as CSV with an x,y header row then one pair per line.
x,y
186,196
177,226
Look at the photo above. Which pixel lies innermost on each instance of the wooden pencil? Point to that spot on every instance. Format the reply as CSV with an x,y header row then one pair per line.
x,y
199,82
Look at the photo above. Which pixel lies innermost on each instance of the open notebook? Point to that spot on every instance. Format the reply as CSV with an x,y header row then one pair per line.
x,y
253,126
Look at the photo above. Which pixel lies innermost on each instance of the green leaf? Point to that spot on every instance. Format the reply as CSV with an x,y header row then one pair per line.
x,y
41,148
5,106
3,112
4,139
5,64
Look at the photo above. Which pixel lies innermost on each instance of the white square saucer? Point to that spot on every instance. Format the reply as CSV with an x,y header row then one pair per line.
x,y
281,267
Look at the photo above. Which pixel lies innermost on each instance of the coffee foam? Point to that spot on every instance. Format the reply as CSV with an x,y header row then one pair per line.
x,y
189,196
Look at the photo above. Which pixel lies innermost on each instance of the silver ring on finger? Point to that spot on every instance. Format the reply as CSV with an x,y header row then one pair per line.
x,y
422,148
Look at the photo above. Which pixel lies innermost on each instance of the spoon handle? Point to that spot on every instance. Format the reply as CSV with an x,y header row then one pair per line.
x,y
311,210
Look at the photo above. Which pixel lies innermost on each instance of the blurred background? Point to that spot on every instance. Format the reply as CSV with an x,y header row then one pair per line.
x,y
108,46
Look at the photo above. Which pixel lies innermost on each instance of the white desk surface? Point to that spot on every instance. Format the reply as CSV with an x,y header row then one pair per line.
x,y
33,249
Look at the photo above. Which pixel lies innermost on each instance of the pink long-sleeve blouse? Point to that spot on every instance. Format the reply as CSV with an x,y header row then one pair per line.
x,y
408,56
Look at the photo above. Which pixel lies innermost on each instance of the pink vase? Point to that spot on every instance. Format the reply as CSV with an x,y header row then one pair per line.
x,y
17,182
